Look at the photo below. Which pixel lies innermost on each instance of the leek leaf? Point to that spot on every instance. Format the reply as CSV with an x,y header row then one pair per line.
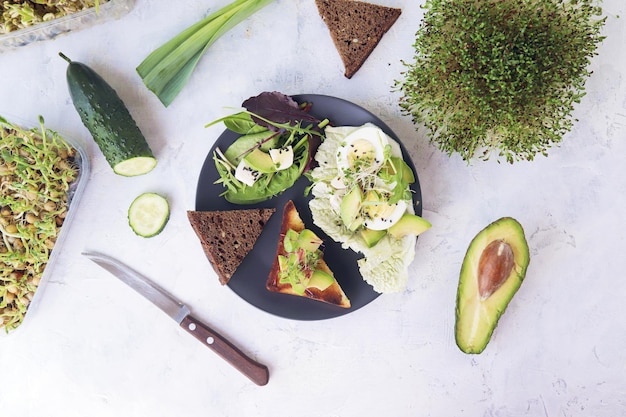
x,y
168,68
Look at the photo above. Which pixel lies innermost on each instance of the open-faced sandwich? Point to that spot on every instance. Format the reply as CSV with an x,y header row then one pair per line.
x,y
227,236
299,267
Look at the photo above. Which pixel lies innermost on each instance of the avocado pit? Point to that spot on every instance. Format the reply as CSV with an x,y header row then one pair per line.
x,y
494,267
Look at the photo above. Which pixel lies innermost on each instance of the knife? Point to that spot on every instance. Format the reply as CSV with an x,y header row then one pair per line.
x,y
257,372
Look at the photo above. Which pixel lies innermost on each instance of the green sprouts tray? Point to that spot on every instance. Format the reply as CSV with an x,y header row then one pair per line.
x,y
44,174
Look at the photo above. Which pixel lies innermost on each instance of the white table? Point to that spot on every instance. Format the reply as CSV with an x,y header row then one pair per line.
x,y
95,348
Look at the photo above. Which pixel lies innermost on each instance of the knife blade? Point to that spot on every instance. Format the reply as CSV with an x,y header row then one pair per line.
x,y
258,373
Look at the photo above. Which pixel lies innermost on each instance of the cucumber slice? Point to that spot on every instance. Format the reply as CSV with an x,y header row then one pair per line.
x,y
135,166
148,214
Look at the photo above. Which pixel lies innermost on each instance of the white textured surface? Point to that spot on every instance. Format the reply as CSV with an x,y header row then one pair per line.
x,y
94,348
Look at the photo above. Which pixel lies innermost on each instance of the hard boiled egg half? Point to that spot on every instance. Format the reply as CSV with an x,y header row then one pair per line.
x,y
379,214
360,156
363,150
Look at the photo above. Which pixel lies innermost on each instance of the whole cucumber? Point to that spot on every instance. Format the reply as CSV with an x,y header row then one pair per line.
x,y
108,120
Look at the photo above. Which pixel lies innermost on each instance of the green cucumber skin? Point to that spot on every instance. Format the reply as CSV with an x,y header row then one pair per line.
x,y
105,115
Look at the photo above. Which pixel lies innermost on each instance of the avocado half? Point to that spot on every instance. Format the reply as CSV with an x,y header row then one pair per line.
x,y
493,270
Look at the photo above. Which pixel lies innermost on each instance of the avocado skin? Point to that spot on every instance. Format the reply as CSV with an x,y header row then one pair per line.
x,y
476,319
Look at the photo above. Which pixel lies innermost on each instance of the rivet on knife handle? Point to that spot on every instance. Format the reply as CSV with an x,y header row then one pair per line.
x,y
258,373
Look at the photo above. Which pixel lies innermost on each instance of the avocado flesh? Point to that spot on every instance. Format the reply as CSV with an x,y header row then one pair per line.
x,y
350,207
476,316
409,224
407,174
372,237
260,161
243,145
292,264
308,240
398,163
320,280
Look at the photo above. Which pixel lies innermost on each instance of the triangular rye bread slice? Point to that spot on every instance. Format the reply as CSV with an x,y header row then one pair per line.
x,y
356,27
333,294
227,236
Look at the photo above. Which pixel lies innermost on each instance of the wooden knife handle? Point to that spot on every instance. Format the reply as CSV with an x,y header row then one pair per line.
x,y
258,373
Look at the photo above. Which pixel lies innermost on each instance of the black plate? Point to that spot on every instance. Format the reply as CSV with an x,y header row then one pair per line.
x,y
249,280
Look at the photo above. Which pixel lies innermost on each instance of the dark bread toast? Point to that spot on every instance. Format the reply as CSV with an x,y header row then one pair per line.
x,y
356,28
228,236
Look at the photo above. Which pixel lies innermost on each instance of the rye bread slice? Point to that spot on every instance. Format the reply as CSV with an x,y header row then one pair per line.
x,y
227,236
356,28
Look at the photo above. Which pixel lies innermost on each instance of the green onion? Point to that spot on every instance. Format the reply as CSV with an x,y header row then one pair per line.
x,y
166,70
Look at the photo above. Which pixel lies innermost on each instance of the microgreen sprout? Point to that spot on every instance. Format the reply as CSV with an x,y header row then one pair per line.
x,y
500,75
298,264
36,169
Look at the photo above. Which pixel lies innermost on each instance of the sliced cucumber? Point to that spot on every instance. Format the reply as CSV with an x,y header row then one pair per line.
x,y
148,214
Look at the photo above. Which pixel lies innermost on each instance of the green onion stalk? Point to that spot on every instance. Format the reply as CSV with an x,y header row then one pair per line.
x,y
168,68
